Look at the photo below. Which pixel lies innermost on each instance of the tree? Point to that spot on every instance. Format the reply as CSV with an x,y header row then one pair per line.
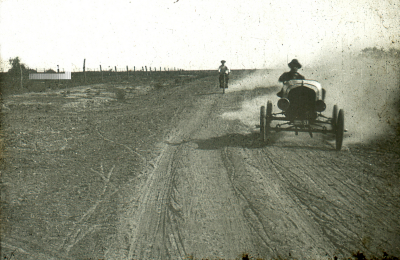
x,y
17,68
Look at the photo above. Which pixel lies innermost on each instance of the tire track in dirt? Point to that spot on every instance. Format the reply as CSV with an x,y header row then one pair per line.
x,y
187,207
339,196
216,192
153,224
279,226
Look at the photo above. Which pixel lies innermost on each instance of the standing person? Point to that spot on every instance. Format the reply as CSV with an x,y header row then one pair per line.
x,y
294,66
223,70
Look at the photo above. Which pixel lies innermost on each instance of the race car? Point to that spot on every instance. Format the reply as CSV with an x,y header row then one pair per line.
x,y
302,103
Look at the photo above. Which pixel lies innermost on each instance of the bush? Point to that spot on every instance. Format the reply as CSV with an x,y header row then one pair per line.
x,y
119,94
158,85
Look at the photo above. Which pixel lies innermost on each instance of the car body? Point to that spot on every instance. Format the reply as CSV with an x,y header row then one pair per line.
x,y
302,103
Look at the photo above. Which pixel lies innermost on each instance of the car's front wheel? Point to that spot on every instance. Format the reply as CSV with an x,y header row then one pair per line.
x,y
334,118
339,130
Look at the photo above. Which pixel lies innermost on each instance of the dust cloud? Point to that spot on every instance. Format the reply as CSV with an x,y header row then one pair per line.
x,y
258,79
263,80
367,89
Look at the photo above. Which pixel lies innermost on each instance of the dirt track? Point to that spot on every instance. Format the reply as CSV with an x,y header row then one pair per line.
x,y
214,191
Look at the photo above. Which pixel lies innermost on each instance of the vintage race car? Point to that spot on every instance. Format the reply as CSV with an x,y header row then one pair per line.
x,y
302,103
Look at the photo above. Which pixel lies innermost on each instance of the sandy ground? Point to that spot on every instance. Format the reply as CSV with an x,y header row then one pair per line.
x,y
206,187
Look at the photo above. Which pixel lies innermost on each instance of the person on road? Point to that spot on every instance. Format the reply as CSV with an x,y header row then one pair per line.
x,y
294,66
223,70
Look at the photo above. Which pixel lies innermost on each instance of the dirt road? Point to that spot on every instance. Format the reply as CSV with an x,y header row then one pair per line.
x,y
214,191
217,192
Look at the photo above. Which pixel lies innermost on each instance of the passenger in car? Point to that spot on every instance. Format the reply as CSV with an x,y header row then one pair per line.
x,y
294,66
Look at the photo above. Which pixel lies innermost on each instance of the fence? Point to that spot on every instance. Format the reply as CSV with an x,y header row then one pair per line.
x,y
130,69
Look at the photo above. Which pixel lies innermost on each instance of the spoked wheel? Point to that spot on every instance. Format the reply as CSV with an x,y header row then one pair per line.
x,y
339,130
262,124
334,118
268,118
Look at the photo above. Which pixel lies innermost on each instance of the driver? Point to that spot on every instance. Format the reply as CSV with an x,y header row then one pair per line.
x,y
294,66
223,70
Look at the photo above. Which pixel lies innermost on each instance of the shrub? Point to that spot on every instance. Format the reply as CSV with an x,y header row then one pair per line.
x,y
119,94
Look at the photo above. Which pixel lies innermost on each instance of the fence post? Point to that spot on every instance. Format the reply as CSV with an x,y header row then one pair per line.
x,y
84,73
21,73
134,68
116,73
127,71
101,73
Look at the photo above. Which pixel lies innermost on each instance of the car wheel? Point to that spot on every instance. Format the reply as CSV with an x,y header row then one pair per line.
x,y
334,118
262,123
269,108
268,118
339,130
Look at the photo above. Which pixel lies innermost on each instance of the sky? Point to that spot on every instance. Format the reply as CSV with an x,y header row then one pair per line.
x,y
191,34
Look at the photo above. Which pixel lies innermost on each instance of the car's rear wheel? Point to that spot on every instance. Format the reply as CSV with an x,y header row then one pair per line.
x,y
339,130
262,123
334,118
268,118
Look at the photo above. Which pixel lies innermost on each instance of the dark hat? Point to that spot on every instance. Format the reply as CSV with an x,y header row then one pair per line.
x,y
294,63
222,61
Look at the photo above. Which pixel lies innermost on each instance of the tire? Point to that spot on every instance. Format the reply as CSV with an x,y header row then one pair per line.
x,y
262,124
334,118
269,108
339,130
268,118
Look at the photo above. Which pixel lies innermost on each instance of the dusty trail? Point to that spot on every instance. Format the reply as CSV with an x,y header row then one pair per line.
x,y
178,171
179,199
216,192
